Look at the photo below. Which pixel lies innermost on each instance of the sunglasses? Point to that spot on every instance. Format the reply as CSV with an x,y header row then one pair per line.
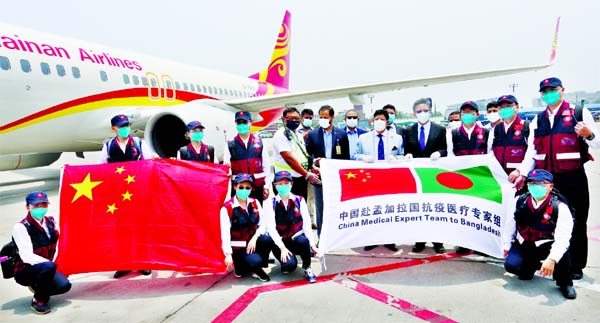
x,y
244,188
351,117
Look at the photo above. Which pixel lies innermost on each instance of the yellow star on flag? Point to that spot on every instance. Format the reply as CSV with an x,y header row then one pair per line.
x,y
112,208
130,179
84,188
350,175
119,170
127,196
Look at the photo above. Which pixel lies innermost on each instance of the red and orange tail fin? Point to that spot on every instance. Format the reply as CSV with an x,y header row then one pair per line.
x,y
276,77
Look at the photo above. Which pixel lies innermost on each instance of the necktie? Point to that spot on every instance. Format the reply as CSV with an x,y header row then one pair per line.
x,y
422,138
380,151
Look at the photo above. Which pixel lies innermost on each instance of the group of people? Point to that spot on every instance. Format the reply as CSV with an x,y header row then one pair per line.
x,y
544,159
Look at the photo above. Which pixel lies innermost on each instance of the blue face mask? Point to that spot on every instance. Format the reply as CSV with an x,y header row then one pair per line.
x,y
551,97
292,125
124,132
537,191
284,189
307,123
507,112
197,136
242,194
39,212
468,118
243,128
391,118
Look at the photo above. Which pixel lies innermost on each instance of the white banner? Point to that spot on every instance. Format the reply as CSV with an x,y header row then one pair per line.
x,y
457,200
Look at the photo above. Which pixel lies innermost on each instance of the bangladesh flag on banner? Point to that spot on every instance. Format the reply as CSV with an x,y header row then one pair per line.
x,y
364,182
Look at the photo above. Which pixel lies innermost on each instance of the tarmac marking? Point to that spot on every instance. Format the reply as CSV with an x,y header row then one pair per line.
x,y
592,229
391,300
242,302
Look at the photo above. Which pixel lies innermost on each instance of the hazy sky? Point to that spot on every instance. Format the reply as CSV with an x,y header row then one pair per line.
x,y
337,43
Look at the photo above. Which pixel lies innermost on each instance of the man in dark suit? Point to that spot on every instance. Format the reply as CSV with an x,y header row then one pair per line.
x,y
328,142
425,139
353,131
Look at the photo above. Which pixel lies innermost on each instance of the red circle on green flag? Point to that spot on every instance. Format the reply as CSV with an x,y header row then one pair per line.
x,y
454,181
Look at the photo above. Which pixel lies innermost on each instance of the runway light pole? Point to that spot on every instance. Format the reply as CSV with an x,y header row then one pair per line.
x,y
513,86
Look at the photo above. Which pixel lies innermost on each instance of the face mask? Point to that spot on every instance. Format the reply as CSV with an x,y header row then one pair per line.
x,y
352,123
468,118
391,118
307,123
537,191
242,194
493,116
284,189
551,97
292,125
197,136
507,113
379,125
38,213
454,124
124,132
324,123
423,117
243,128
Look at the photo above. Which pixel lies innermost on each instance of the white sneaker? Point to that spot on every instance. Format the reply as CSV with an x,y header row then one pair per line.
x,y
310,276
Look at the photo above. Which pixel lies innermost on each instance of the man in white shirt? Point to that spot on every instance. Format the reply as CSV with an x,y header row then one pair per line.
x,y
124,147
36,238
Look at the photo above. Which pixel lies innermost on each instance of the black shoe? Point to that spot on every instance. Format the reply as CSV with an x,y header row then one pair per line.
x,y
577,274
462,250
39,307
418,247
568,292
439,247
121,273
369,248
526,277
145,272
391,247
261,275
243,275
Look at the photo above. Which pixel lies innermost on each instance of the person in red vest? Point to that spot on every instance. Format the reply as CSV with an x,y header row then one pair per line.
x,y
289,226
196,150
469,139
36,237
243,232
245,153
562,135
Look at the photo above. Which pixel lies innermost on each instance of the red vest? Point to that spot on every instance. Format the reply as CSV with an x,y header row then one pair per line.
x,y
559,149
288,222
509,146
43,245
243,222
477,145
247,160
534,225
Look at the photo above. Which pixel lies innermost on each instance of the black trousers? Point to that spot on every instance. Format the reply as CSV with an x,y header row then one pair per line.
x,y
524,259
44,279
574,186
299,246
245,263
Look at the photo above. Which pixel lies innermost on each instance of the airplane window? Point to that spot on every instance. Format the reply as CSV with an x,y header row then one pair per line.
x,y
210,90
60,70
45,68
76,72
220,91
168,84
144,81
136,80
25,66
185,86
103,76
153,82
125,78
177,86
204,89
198,88
192,88
4,63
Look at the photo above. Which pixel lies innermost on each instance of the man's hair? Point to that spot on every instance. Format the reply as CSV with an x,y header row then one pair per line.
x,y
307,111
290,110
351,110
381,112
421,101
327,108
389,106
492,104
452,114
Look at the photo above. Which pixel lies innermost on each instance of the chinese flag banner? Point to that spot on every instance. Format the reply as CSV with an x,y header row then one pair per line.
x,y
363,182
150,214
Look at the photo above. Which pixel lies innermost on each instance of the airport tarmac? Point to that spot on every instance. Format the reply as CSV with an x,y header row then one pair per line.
x,y
358,286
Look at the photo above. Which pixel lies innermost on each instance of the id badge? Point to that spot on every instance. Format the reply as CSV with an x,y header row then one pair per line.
x,y
338,150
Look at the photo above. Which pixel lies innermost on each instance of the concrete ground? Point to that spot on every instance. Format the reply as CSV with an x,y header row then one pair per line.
x,y
358,286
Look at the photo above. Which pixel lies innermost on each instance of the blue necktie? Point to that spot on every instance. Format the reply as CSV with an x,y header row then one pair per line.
x,y
380,151
422,139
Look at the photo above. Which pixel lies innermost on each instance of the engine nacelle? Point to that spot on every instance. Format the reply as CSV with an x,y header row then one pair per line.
x,y
21,161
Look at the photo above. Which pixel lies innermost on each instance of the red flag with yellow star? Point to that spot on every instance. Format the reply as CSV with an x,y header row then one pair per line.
x,y
150,214
364,182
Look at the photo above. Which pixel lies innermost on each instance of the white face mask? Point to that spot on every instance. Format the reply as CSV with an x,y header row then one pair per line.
x,y
423,117
379,125
493,116
352,123
324,123
454,124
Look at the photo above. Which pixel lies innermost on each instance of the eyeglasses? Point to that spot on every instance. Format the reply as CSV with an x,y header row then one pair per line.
x,y
244,188
351,117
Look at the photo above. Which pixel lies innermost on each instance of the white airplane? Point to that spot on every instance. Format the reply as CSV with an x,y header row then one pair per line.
x,y
59,94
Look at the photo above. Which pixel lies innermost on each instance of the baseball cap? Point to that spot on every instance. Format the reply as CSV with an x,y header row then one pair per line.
x,y
470,104
282,175
540,175
550,82
194,124
242,177
507,98
119,120
243,115
37,197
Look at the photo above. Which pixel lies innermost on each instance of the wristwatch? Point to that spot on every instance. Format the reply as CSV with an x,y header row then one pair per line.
x,y
591,137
